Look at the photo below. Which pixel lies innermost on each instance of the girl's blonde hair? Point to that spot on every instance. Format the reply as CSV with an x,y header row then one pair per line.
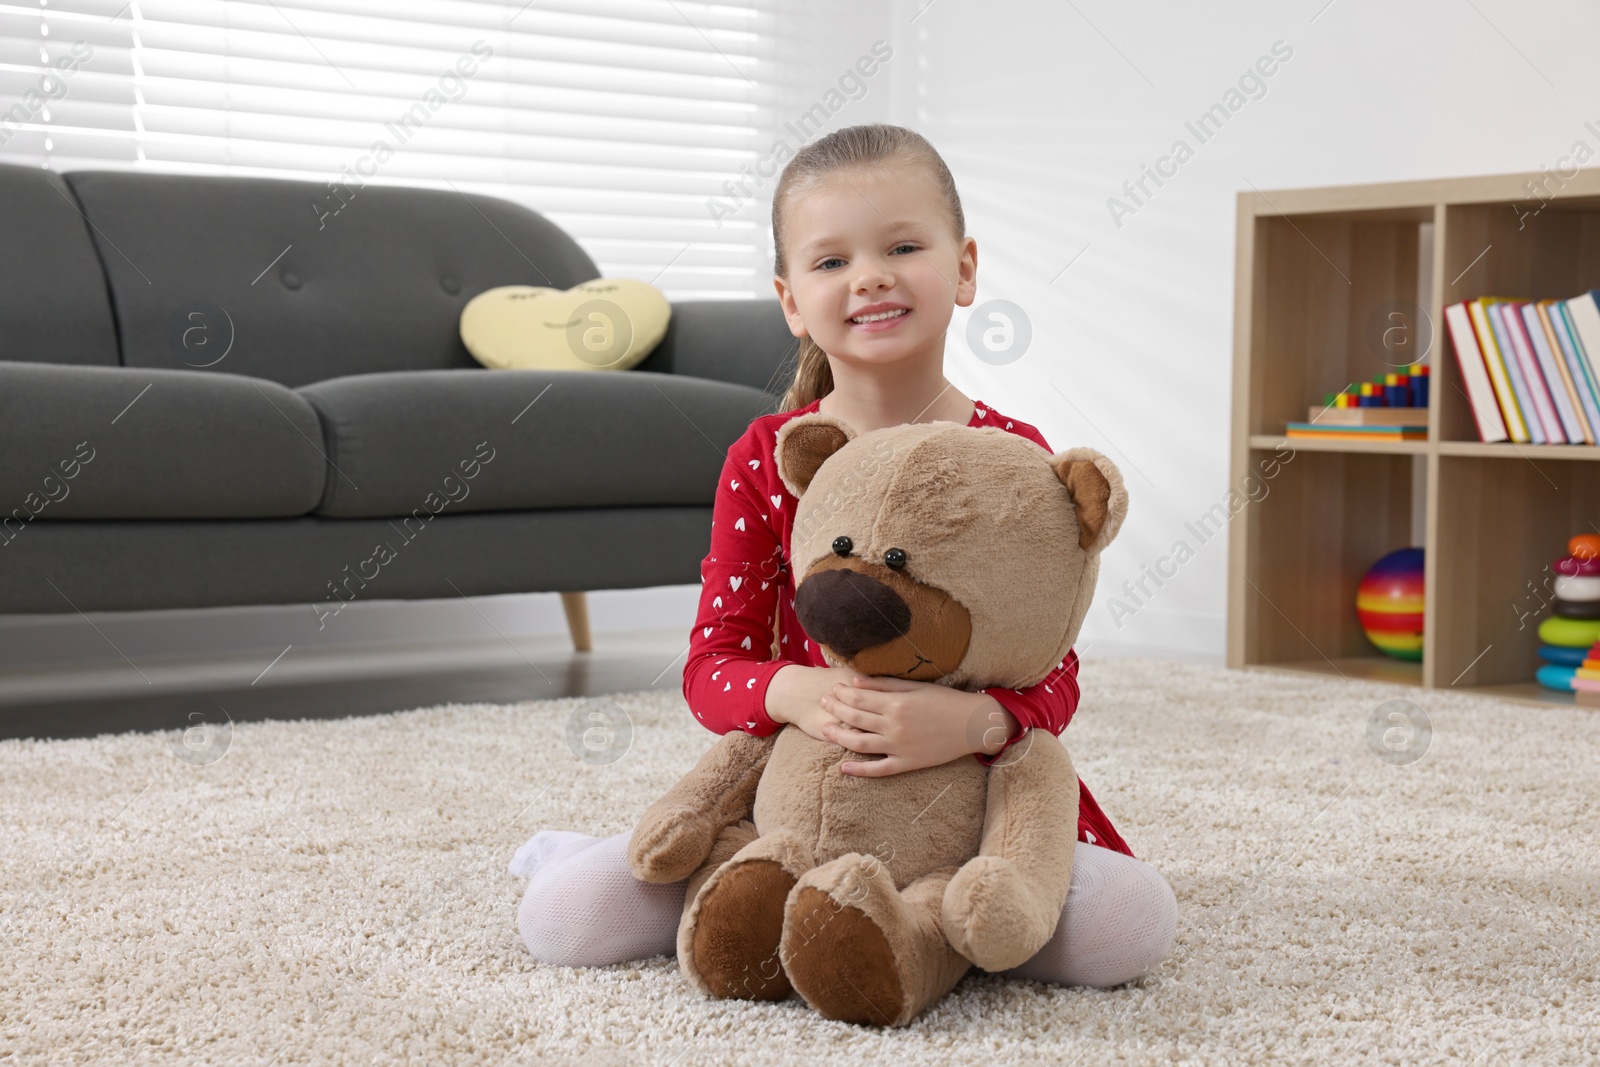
x,y
875,144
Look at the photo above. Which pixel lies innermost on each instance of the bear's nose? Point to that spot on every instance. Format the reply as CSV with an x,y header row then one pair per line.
x,y
849,611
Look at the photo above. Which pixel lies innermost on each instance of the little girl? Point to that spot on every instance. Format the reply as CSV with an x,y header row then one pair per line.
x,y
871,258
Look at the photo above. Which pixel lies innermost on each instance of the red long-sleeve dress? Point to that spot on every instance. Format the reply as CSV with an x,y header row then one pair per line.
x,y
746,584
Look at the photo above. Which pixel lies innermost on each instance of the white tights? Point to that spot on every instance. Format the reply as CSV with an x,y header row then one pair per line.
x,y
583,907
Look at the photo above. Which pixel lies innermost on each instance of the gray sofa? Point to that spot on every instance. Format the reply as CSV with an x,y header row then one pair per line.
x,y
229,390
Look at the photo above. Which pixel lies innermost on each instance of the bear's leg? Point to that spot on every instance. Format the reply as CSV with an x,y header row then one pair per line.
x,y
728,939
859,950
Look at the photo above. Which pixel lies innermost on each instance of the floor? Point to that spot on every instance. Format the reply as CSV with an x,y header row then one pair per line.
x,y
337,890
333,683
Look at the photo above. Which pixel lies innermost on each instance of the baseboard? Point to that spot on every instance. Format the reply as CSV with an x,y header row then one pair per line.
x,y
32,642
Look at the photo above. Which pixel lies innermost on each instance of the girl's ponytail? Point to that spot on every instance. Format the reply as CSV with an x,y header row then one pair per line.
x,y
869,145
813,377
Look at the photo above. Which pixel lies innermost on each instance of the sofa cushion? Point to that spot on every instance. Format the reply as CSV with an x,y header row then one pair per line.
x,y
53,302
300,281
495,440
125,443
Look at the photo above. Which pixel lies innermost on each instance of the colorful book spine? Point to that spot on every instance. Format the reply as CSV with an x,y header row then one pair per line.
x,y
1562,387
1474,372
1499,374
1356,433
1545,384
1588,388
1531,410
1583,318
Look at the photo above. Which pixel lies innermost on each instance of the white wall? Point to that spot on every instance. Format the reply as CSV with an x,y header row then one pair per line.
x,y
1042,111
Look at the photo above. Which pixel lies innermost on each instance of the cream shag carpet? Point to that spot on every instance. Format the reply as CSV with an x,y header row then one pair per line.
x,y
1353,887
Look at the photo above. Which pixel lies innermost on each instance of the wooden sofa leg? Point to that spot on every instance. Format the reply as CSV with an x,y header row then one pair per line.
x,y
577,609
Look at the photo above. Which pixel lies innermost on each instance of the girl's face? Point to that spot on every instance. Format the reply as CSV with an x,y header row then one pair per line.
x,y
862,239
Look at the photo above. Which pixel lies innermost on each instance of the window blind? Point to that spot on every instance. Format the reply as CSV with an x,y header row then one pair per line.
x,y
621,120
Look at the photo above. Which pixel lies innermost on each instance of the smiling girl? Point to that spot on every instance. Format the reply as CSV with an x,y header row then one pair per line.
x,y
872,259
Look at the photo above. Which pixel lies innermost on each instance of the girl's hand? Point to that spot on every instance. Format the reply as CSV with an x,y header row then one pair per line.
x,y
795,696
913,724
814,720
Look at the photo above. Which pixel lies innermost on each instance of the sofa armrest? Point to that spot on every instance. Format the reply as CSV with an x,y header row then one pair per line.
x,y
744,342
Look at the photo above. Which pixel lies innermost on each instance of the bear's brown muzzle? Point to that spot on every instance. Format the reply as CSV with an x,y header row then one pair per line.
x,y
882,621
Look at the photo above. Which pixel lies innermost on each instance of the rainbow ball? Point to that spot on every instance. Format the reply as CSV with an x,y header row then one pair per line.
x,y
1389,603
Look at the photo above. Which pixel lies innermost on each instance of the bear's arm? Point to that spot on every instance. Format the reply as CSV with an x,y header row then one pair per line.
x,y
1046,705
1003,906
675,835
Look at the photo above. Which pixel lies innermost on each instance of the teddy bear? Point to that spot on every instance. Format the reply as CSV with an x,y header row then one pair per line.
x,y
935,552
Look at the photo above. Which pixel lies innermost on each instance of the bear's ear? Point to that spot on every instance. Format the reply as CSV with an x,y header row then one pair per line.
x,y
803,444
1097,491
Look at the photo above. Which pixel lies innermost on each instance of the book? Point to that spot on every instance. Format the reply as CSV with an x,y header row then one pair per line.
x,y
1499,373
1475,374
1569,405
1336,416
1357,433
1583,317
1525,378
1543,381
1588,387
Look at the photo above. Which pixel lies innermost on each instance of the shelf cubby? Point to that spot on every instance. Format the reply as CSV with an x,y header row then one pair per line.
x,y
1321,276
1504,521
1322,520
1512,249
1326,281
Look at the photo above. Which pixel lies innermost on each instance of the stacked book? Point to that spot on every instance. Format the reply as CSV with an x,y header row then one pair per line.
x,y
1391,407
1530,367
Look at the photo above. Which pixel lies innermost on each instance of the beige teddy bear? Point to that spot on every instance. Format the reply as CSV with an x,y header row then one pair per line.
x,y
934,552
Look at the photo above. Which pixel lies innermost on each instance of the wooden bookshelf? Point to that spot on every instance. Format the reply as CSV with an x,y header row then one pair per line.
x,y
1331,287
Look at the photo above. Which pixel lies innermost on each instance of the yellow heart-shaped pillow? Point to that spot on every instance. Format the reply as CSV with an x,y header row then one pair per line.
x,y
606,324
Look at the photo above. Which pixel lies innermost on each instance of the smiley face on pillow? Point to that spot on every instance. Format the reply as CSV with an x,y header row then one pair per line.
x,y
604,324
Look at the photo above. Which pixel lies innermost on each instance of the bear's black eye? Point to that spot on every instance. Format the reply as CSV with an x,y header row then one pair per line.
x,y
842,545
895,558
